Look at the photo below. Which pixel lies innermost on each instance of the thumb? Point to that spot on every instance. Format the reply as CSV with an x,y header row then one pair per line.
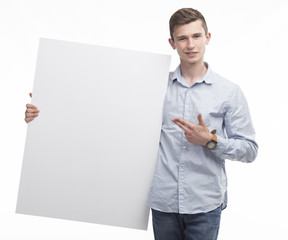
x,y
201,121
30,94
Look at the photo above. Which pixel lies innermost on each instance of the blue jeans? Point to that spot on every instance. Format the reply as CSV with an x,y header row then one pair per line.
x,y
175,226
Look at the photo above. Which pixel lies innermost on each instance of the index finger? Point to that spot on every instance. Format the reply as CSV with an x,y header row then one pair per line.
x,y
182,123
28,105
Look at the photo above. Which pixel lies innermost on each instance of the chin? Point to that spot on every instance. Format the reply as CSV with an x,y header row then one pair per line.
x,y
192,61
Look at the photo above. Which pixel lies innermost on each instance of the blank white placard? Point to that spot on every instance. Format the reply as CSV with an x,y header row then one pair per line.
x,y
90,155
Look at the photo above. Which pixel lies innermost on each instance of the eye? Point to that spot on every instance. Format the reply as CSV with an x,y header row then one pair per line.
x,y
181,38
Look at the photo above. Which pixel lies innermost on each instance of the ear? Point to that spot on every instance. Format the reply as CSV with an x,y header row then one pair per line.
x,y
172,43
208,37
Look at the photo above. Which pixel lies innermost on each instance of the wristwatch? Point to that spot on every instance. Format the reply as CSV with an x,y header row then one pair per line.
x,y
213,143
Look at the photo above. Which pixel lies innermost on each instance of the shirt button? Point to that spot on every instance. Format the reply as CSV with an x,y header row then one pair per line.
x,y
184,147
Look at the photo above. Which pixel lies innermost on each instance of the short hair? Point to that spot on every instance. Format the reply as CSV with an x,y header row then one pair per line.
x,y
185,16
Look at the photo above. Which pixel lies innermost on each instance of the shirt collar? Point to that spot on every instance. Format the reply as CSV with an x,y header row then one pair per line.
x,y
207,78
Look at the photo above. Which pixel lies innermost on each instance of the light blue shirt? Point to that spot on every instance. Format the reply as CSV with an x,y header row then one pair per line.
x,y
190,178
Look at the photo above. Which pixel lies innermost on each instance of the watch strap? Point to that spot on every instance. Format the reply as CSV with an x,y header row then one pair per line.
x,y
214,137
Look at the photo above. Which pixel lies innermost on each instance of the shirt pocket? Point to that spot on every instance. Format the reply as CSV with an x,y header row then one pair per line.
x,y
214,120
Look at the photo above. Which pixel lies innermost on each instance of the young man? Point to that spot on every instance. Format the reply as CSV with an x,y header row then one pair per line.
x,y
205,121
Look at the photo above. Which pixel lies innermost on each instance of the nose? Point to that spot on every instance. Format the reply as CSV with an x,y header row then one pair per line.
x,y
190,43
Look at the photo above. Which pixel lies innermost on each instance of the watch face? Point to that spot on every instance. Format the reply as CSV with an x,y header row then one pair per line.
x,y
211,145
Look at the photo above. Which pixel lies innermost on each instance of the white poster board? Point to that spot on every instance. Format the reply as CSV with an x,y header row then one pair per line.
x,y
90,155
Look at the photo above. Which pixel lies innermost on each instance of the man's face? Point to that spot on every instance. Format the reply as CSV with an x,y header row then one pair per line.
x,y
190,41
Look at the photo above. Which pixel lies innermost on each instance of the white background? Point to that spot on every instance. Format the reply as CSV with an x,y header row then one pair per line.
x,y
248,46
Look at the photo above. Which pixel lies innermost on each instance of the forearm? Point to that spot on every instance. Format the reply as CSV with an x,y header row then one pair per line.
x,y
237,149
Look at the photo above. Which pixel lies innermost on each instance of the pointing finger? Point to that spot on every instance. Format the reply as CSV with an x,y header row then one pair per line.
x,y
185,128
182,123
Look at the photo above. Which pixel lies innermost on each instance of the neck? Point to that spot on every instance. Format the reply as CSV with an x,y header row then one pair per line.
x,y
193,72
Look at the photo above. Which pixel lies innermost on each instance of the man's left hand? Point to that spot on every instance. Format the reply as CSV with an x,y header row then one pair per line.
x,y
195,133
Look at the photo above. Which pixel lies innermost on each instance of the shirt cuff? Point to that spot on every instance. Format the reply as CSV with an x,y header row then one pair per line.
x,y
221,148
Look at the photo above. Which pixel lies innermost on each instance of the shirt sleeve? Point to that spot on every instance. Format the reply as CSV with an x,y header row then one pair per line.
x,y
239,143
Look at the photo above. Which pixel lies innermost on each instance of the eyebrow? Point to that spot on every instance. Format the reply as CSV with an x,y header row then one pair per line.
x,y
181,36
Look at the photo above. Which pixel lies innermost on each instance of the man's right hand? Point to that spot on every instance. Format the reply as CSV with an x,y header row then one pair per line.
x,y
31,112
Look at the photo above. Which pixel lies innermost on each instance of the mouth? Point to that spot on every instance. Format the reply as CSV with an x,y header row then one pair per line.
x,y
191,54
